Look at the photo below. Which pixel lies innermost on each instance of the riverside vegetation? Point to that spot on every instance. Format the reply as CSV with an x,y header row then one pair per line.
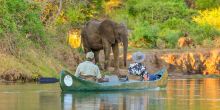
x,y
34,33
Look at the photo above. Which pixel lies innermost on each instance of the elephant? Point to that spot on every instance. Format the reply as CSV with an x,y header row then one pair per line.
x,y
107,34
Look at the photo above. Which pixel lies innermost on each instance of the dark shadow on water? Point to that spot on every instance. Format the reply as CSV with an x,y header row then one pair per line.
x,y
126,100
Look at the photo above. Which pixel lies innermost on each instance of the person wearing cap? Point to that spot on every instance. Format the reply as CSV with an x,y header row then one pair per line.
x,y
88,70
136,70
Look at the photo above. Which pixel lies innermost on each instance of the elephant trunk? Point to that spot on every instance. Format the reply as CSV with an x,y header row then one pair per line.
x,y
125,46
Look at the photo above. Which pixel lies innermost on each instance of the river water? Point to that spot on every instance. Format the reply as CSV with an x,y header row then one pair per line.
x,y
185,94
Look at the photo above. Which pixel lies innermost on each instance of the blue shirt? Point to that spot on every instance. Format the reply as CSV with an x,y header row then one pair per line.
x,y
137,69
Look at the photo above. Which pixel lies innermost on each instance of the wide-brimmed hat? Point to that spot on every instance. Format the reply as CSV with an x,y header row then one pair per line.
x,y
138,57
90,55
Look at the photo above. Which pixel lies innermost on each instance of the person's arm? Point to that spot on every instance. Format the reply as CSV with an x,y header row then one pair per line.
x,y
98,74
143,70
77,73
130,69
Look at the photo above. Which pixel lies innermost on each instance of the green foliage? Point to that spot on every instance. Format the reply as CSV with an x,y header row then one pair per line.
x,y
75,16
21,17
157,11
147,32
152,20
170,37
172,18
204,4
152,23
79,12
202,32
120,15
176,24
6,22
97,4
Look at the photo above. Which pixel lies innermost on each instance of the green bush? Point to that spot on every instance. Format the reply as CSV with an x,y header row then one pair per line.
x,y
22,17
202,32
157,11
149,19
80,12
147,32
176,24
6,23
170,37
204,4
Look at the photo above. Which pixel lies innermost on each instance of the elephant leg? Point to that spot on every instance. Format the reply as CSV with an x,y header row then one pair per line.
x,y
96,53
107,50
97,59
115,49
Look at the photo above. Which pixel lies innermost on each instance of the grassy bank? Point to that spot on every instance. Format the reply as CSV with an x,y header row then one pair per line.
x,y
32,42
32,66
34,63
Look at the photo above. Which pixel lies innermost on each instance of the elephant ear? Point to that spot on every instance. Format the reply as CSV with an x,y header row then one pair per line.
x,y
121,32
106,30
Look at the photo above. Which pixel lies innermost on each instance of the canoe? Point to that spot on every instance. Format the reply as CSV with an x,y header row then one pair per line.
x,y
69,82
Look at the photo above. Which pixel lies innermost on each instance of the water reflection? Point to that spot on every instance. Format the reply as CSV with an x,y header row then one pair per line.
x,y
203,94
132,100
190,94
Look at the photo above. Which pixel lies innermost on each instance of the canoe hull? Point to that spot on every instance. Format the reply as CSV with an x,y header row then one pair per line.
x,y
69,82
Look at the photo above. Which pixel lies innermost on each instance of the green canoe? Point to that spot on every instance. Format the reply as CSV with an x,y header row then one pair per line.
x,y
69,82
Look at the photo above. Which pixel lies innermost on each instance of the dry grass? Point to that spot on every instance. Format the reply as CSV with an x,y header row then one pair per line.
x,y
30,65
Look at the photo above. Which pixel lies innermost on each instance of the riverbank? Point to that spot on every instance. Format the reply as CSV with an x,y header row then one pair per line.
x,y
30,64
181,63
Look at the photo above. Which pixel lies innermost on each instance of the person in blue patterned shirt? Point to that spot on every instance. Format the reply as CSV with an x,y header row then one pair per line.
x,y
136,70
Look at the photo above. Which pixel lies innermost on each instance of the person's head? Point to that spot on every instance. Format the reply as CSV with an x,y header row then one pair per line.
x,y
89,56
138,57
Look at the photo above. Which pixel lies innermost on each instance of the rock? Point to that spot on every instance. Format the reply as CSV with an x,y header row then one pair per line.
x,y
15,75
201,61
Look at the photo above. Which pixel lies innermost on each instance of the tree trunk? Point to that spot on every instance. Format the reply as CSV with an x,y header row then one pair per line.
x,y
190,3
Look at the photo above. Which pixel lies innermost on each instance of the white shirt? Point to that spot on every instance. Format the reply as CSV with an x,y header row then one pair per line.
x,y
88,68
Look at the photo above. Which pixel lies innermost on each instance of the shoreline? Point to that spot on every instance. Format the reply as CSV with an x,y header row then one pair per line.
x,y
155,59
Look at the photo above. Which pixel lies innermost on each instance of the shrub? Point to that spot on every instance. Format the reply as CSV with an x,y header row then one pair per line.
x,y
210,16
21,17
170,37
157,11
202,32
78,12
176,24
205,4
147,32
149,18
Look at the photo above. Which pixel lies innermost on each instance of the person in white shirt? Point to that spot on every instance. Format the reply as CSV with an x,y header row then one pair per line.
x,y
88,70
